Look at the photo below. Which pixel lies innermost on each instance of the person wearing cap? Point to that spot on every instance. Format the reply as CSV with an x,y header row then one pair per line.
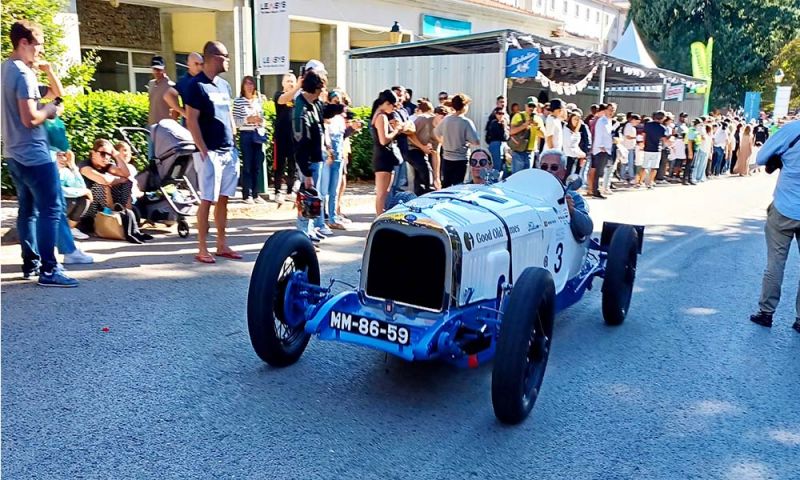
x,y
524,134
156,88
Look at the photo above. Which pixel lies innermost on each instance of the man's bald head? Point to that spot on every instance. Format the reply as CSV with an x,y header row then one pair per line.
x,y
194,63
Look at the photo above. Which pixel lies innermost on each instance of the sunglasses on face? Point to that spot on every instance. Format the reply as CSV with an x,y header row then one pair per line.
x,y
553,167
104,154
479,162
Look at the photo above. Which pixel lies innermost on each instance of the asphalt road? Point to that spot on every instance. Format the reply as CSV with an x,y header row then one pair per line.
x,y
686,388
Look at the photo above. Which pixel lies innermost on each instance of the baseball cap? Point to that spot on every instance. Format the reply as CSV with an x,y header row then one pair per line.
x,y
683,115
157,62
532,101
317,66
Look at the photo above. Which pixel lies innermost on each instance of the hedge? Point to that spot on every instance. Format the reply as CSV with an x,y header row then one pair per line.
x,y
98,115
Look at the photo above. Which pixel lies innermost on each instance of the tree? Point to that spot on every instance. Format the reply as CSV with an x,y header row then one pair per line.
x,y
788,60
44,13
747,36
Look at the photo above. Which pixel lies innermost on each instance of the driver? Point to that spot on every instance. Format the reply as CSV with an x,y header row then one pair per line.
x,y
580,222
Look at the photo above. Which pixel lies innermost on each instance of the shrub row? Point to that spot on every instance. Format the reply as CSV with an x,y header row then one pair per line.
x,y
99,115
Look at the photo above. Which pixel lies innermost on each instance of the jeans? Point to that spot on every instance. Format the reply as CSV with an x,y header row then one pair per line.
x,y
40,209
319,222
520,161
609,168
252,163
329,188
700,162
629,170
716,161
497,148
64,242
779,232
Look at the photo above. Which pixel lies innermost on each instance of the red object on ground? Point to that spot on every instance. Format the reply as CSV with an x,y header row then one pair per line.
x,y
105,329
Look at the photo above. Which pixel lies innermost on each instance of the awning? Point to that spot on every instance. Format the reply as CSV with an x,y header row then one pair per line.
x,y
558,62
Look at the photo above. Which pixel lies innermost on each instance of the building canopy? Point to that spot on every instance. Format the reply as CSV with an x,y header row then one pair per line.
x,y
562,68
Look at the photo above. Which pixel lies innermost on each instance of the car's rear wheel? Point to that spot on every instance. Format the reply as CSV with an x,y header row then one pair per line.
x,y
523,346
275,339
620,274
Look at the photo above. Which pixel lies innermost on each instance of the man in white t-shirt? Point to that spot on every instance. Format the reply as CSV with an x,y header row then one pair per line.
x,y
554,126
629,143
602,144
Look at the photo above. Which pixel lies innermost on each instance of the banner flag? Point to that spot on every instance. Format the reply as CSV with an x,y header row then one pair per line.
x,y
272,36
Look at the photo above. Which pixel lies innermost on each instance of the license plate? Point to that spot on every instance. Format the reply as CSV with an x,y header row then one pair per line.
x,y
370,328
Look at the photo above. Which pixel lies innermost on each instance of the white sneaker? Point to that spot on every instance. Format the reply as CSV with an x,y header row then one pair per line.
x,y
78,235
280,198
77,257
325,231
249,201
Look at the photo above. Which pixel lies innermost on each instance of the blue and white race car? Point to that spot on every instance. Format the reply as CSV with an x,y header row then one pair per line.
x,y
463,275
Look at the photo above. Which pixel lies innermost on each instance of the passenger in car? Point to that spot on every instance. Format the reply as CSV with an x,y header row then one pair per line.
x,y
555,162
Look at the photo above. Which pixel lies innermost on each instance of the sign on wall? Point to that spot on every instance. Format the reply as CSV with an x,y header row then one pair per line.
x,y
522,62
674,92
752,105
782,97
272,37
440,27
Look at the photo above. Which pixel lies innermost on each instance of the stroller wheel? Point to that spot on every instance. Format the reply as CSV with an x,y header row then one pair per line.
x,y
183,228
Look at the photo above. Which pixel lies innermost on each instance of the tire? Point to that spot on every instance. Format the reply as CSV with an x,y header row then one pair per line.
x,y
523,346
183,228
620,274
273,340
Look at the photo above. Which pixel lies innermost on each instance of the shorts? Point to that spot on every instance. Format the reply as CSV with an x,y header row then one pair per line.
x,y
652,160
218,175
600,159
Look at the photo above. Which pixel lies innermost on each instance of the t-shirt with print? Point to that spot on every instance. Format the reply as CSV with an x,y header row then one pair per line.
x,y
28,146
554,127
653,133
212,99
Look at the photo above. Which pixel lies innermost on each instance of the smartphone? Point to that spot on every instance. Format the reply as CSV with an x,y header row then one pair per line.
x,y
58,101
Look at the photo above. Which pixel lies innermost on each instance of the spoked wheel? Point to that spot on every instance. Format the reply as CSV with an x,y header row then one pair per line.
x,y
277,339
620,274
523,347
183,228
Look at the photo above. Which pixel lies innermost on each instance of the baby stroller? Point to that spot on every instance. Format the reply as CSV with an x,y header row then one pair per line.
x,y
168,195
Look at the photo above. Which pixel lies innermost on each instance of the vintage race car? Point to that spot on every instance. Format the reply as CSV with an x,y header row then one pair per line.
x,y
462,275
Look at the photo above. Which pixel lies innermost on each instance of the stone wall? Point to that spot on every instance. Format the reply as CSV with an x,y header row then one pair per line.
x,y
126,26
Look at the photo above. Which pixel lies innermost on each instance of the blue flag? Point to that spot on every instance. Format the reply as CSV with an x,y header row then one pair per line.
x,y
522,62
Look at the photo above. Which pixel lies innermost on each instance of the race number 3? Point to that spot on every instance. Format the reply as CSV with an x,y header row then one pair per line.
x,y
559,259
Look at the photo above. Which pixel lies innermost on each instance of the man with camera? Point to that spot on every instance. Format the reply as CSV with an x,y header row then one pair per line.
x,y
781,151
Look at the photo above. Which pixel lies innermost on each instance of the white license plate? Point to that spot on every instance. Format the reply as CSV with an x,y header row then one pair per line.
x,y
370,328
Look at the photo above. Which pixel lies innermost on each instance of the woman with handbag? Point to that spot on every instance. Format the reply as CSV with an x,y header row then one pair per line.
x,y
248,114
107,177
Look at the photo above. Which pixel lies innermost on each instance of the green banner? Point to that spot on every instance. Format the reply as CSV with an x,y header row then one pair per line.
x,y
702,66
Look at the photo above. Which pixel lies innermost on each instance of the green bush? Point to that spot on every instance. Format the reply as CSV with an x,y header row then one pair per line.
x,y
94,115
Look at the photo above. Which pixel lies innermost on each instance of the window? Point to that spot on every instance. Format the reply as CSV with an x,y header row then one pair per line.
x,y
566,7
121,70
539,3
578,10
597,16
588,13
552,4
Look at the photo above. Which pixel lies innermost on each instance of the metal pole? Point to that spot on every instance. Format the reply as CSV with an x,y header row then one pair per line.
x,y
663,92
602,95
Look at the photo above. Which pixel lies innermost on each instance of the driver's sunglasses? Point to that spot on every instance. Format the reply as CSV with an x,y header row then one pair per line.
x,y
104,153
474,162
553,167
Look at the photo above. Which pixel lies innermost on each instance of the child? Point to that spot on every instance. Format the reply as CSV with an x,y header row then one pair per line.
x,y
639,160
124,152
677,154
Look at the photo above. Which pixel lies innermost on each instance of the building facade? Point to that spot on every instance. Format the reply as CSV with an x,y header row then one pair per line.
x,y
126,34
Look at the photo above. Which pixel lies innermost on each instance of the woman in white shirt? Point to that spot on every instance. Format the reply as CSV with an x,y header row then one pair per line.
x,y
572,140
248,114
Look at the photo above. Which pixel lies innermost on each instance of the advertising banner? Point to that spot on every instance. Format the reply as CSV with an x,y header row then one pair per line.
x,y
782,97
522,62
272,36
752,105
440,27
674,92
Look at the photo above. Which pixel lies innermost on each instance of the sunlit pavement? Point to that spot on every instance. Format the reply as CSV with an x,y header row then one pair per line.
x,y
146,369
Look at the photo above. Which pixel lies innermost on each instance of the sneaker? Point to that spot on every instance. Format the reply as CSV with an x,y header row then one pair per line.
x,y
336,226
325,231
259,201
249,201
77,257
796,325
280,198
314,239
57,278
598,195
344,220
78,235
762,318
29,272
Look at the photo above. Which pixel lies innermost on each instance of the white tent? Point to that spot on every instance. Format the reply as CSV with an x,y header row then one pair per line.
x,y
631,48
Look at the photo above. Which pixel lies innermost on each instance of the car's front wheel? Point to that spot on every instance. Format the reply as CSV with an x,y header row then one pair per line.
x,y
523,346
277,340
620,274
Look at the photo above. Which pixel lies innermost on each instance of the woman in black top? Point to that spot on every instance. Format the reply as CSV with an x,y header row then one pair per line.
x,y
107,176
497,136
385,153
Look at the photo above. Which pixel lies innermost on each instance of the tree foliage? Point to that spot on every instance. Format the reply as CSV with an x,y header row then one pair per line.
x,y
747,36
788,60
45,13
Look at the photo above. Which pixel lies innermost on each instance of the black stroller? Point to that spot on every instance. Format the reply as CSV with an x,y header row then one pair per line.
x,y
168,194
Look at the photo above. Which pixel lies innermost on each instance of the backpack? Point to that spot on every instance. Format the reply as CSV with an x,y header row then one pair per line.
x,y
519,141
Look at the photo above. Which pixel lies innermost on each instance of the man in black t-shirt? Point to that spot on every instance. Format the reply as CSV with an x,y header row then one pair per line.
x,y
282,135
654,134
760,133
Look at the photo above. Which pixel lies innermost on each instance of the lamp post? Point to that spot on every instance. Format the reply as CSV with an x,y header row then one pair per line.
x,y
395,35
